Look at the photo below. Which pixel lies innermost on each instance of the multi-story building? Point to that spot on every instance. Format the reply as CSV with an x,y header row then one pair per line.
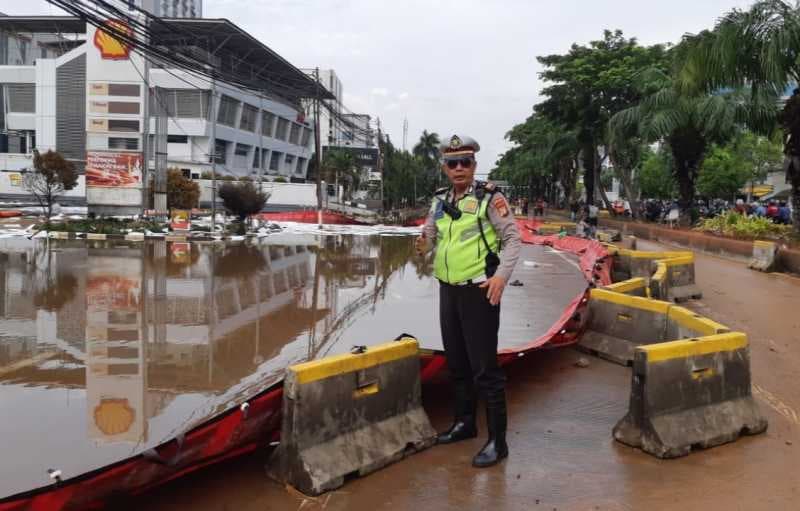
x,y
329,128
171,8
72,99
357,131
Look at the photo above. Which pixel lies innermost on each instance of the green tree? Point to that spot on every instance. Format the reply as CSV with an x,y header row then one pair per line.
x,y
591,83
722,174
51,176
340,167
757,48
688,123
655,178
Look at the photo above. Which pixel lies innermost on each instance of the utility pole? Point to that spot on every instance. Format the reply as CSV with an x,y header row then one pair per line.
x,y
146,127
380,162
317,148
212,143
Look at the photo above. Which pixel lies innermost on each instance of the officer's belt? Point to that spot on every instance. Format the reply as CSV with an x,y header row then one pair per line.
x,y
470,282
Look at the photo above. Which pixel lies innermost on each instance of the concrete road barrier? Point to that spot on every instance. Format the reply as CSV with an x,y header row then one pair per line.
x,y
764,255
350,415
680,283
690,394
633,287
618,323
685,324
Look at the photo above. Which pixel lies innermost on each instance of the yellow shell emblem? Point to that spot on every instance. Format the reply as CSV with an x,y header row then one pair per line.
x,y
112,48
455,142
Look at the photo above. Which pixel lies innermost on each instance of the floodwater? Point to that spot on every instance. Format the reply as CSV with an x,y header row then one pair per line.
x,y
110,348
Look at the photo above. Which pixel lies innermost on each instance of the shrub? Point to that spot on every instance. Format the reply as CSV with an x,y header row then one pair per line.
x,y
280,179
733,224
242,200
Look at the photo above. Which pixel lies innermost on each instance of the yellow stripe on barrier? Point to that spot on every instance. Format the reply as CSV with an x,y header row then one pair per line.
x,y
694,347
627,286
764,244
695,322
635,302
320,369
642,254
677,261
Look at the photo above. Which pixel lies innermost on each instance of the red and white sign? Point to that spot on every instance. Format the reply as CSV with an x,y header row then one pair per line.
x,y
181,220
108,42
113,170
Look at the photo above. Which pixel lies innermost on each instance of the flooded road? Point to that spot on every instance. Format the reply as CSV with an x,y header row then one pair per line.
x,y
110,348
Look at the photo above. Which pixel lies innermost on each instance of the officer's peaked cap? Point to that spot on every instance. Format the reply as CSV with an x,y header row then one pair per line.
x,y
455,145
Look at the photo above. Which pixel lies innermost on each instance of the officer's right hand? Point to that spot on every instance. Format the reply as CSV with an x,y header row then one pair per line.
x,y
421,245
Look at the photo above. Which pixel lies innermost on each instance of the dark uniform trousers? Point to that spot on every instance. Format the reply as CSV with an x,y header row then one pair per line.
x,y
469,326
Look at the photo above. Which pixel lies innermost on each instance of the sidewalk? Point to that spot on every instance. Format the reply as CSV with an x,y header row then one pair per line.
x,y
562,454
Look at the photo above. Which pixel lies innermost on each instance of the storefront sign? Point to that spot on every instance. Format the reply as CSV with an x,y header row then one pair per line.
x,y
117,170
15,179
107,40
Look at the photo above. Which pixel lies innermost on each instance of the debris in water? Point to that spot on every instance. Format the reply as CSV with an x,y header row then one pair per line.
x,y
582,362
516,283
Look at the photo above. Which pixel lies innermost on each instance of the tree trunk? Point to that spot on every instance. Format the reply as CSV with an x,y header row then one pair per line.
x,y
795,181
588,153
604,196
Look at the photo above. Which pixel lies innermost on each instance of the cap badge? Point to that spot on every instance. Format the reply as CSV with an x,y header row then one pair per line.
x,y
455,142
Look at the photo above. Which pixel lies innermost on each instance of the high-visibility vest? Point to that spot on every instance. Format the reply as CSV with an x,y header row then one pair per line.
x,y
460,251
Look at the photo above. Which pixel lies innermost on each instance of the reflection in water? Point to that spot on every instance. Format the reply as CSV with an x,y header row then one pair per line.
x,y
143,341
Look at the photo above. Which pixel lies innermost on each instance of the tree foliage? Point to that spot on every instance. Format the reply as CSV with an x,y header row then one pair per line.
x,y
51,176
242,199
655,179
182,192
591,83
757,48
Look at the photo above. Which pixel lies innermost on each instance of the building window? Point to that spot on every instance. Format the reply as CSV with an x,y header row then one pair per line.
x,y
123,144
227,111
123,125
123,89
283,127
21,97
220,151
177,139
122,107
267,120
290,162
294,134
242,150
256,158
301,162
304,141
274,160
249,116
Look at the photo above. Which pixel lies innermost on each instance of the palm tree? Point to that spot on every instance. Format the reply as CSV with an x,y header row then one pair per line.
x,y
427,151
339,164
687,122
759,49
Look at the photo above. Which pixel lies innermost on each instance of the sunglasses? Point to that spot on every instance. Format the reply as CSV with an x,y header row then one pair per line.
x,y
464,162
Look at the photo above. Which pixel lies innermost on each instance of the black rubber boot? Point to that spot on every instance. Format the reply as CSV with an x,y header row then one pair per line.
x,y
463,427
496,448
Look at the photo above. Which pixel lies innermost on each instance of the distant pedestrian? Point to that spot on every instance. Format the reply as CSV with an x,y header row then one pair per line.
x,y
784,214
772,211
592,213
574,209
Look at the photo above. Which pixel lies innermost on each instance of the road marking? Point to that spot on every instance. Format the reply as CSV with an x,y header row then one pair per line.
x,y
776,404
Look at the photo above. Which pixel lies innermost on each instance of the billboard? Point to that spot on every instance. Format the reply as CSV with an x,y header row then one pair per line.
x,y
113,170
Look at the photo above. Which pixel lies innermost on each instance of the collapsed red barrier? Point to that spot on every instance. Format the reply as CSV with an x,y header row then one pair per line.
x,y
257,422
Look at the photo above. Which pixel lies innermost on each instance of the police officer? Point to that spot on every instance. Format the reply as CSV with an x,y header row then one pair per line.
x,y
467,225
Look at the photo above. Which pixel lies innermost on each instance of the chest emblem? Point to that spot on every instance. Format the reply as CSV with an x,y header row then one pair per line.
x,y
469,205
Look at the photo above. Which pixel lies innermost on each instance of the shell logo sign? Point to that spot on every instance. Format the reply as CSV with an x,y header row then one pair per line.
x,y
112,48
114,416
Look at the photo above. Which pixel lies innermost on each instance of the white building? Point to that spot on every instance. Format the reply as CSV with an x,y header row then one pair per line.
x,y
171,8
69,99
329,128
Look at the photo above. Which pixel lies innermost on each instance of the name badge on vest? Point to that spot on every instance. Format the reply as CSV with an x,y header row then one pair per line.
x,y
470,205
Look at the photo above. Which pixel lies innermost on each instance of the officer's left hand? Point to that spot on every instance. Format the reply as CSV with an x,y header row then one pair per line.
x,y
495,287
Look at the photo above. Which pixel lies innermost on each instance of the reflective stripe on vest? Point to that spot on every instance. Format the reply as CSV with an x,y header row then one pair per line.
x,y
460,251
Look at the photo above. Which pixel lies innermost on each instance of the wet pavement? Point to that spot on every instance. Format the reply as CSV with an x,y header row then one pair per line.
x,y
110,348
562,454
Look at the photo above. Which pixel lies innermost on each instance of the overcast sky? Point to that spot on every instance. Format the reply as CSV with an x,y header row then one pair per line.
x,y
447,65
